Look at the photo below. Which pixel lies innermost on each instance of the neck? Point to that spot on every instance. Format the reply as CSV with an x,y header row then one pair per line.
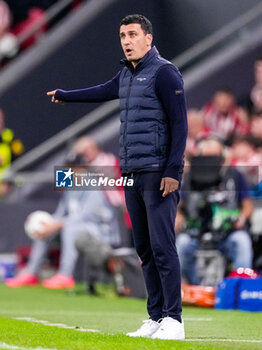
x,y
135,63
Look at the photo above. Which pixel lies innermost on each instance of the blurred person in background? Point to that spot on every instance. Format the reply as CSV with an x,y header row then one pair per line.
x,y
213,195
256,98
256,132
223,117
21,9
10,149
8,43
25,15
5,18
196,130
78,211
247,159
87,150
27,12
253,102
256,125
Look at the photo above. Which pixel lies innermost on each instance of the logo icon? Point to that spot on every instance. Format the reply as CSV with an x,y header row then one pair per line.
x,y
64,178
141,79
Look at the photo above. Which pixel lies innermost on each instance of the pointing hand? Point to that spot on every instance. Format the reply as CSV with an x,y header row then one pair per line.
x,y
52,93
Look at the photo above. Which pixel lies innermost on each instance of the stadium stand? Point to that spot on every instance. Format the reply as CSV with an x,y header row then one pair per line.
x,y
23,23
213,63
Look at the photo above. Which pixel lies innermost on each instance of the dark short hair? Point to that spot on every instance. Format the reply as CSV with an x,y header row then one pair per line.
x,y
225,90
259,58
210,137
146,25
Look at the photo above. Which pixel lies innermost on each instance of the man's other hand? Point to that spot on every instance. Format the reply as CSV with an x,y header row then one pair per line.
x,y
168,185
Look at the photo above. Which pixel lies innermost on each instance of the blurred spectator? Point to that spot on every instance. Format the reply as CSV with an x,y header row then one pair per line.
x,y
8,44
89,150
196,129
256,125
17,17
256,98
253,102
246,158
215,199
10,149
78,212
258,71
5,18
26,14
256,132
223,117
21,9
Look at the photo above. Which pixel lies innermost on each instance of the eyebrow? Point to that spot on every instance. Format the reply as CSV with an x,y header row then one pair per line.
x,y
129,32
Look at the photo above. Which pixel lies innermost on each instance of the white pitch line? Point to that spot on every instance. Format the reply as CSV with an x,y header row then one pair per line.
x,y
14,347
59,325
225,340
51,312
88,313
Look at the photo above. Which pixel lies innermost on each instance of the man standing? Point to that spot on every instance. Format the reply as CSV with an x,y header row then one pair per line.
x,y
152,142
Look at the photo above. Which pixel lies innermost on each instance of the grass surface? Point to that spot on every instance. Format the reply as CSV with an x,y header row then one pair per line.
x,y
112,317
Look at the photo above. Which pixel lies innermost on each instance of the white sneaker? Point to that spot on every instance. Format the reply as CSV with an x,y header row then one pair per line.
x,y
170,329
148,328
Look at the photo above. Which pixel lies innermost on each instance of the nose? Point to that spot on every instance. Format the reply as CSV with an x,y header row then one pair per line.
x,y
125,41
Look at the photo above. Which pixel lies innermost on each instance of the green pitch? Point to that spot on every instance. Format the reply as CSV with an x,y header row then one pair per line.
x,y
39,319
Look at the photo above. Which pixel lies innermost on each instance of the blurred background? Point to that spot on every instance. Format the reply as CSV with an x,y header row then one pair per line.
x,y
70,44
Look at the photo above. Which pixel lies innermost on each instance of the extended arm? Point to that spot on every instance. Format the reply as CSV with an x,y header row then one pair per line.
x,y
99,93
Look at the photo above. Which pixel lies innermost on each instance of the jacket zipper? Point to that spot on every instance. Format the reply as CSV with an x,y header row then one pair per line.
x,y
127,106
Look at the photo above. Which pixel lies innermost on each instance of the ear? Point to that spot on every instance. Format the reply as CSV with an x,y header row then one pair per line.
x,y
149,39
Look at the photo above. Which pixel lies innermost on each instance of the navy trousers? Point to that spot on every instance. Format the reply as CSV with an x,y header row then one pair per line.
x,y
153,218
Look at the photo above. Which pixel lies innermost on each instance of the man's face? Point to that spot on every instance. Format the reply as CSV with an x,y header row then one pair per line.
x,y
258,72
135,43
195,123
256,127
87,148
210,148
223,102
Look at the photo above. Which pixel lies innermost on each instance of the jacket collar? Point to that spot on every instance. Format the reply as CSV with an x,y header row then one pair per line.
x,y
152,53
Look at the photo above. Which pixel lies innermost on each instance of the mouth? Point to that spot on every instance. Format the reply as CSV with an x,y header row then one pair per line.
x,y
128,52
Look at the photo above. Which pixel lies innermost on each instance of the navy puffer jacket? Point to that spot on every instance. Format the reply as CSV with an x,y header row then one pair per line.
x,y
144,134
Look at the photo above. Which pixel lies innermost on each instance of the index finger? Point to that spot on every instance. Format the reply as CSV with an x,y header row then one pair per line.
x,y
166,190
165,193
51,93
